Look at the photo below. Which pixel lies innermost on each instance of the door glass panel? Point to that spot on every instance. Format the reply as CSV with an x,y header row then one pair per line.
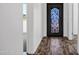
x,y
54,20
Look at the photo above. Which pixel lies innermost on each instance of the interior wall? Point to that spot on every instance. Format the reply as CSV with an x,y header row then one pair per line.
x,y
30,28
75,18
70,20
65,20
37,17
44,19
70,28
76,24
78,31
11,41
34,27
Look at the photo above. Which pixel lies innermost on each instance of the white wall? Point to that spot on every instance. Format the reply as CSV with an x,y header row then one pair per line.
x,y
34,29
72,20
11,41
68,21
70,31
65,19
78,32
37,25
29,28
75,18
44,19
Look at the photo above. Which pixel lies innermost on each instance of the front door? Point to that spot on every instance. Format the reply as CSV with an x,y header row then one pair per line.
x,y
55,19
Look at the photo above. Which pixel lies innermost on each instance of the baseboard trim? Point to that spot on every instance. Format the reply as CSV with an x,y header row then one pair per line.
x,y
11,52
30,54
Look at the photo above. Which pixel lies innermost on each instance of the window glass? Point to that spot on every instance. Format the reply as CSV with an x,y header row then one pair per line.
x,y
24,18
55,20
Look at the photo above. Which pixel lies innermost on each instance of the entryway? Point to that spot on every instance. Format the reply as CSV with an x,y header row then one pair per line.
x,y
55,43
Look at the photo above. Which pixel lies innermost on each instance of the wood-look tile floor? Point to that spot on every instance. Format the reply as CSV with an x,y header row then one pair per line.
x,y
56,46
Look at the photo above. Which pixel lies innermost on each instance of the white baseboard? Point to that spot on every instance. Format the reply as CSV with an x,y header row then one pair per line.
x,y
11,53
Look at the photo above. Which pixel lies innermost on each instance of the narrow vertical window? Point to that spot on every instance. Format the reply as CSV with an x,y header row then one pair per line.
x,y
24,18
55,20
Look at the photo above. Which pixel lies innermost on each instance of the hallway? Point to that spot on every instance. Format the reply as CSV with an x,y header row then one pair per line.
x,y
56,46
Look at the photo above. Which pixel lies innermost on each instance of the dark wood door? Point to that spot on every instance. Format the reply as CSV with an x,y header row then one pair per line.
x,y
55,19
